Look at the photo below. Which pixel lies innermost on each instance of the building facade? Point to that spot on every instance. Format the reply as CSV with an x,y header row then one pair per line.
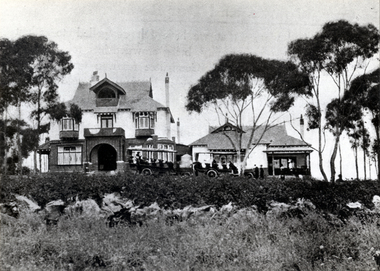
x,y
274,150
119,121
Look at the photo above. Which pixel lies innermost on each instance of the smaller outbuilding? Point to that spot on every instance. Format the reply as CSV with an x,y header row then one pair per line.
x,y
276,152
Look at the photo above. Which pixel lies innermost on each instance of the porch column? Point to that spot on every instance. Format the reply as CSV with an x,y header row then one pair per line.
x,y
273,173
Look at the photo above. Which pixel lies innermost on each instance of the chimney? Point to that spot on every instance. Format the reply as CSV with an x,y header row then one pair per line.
x,y
167,90
302,126
178,132
94,78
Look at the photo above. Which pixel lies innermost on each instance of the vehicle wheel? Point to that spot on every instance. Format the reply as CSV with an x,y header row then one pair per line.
x,y
212,173
146,172
250,175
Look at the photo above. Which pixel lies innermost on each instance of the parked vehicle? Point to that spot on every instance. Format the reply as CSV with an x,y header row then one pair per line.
x,y
146,168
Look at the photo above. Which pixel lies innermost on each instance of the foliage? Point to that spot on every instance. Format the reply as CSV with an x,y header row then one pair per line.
x,y
178,192
341,114
59,111
234,77
30,68
365,91
340,49
248,85
235,242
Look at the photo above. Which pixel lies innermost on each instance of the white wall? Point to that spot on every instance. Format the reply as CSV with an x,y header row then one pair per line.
x,y
125,121
54,130
258,157
161,124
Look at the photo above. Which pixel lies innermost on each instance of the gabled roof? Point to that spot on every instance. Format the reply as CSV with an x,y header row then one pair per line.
x,y
106,81
274,136
227,127
137,96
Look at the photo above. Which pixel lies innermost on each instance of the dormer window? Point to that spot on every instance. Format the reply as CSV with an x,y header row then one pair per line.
x,y
69,124
106,93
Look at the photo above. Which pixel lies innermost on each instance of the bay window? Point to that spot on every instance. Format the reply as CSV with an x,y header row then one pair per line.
x,y
144,120
69,155
69,124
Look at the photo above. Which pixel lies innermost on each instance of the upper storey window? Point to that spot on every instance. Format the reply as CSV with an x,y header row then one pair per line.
x,y
144,120
69,124
106,93
106,97
107,121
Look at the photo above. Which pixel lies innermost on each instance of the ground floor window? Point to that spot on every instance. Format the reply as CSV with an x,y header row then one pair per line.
x,y
70,155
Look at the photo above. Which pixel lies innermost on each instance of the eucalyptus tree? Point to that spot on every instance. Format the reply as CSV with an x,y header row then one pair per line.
x,y
30,71
241,84
340,49
15,77
365,91
347,47
308,55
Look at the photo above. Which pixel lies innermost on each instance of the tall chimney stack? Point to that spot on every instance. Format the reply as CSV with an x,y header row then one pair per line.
x,y
302,127
94,78
167,90
178,132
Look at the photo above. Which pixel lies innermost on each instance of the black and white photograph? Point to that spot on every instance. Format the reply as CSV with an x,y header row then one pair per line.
x,y
189,135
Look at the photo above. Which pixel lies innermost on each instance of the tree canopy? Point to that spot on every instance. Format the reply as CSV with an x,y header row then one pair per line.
x,y
30,68
235,77
340,49
240,83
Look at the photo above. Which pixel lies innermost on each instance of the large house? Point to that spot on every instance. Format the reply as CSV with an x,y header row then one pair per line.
x,y
276,151
119,121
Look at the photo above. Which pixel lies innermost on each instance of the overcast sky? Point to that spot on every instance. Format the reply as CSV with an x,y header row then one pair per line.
x,y
142,40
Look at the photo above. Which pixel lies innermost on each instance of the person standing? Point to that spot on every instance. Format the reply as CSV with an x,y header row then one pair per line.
x,y
256,172
282,168
261,172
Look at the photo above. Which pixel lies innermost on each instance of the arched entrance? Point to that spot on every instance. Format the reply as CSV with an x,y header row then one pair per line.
x,y
106,158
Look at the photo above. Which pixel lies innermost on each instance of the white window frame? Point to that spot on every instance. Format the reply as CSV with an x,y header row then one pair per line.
x,y
144,120
69,124
69,155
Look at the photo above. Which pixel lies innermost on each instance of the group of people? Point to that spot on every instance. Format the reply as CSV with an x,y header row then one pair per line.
x,y
258,173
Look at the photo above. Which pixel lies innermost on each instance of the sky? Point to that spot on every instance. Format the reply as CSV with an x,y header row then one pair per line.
x,y
145,39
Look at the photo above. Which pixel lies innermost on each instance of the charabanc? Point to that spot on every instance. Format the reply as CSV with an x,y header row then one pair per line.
x,y
215,170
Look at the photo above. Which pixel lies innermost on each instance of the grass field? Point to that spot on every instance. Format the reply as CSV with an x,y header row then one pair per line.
x,y
245,239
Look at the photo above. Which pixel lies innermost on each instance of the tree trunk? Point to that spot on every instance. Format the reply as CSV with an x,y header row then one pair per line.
x,y
356,163
377,129
320,148
333,157
38,129
5,143
35,161
365,164
19,153
340,160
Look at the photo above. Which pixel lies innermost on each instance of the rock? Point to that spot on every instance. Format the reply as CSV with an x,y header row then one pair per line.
x,y
147,212
27,204
354,205
53,211
10,208
86,208
227,208
114,202
122,217
376,203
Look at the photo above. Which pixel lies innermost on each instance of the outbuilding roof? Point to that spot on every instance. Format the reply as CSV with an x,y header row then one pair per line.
x,y
274,136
